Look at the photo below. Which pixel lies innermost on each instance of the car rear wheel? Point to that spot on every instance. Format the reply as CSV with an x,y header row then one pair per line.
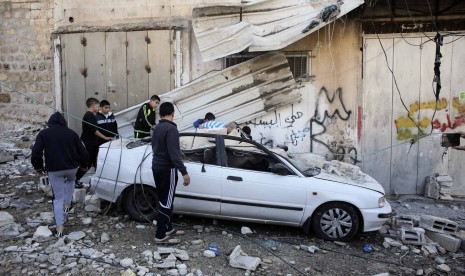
x,y
335,221
140,203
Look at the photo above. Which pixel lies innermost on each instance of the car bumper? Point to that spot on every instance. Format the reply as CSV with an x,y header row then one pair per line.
x,y
374,218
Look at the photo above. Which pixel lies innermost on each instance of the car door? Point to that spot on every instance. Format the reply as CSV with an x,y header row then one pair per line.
x,y
250,190
203,195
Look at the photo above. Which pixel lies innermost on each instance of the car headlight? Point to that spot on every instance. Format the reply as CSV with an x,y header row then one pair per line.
x,y
381,202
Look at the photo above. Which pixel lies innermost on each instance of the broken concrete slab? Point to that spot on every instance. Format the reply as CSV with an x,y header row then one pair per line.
x,y
431,187
448,242
237,259
437,224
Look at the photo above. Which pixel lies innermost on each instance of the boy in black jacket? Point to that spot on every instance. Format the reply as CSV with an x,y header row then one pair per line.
x,y
146,119
165,165
89,137
106,121
64,153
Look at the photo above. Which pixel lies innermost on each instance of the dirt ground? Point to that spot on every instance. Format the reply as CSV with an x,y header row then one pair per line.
x,y
278,247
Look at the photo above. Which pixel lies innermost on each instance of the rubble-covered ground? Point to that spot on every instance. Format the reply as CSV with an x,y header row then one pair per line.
x,y
106,242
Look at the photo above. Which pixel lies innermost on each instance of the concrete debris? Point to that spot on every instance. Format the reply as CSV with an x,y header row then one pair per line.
x,y
6,218
126,262
246,230
42,233
437,224
413,235
240,260
92,203
446,241
76,235
439,187
443,267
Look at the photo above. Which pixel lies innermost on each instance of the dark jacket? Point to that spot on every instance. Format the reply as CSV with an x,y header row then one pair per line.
x,y
63,148
165,146
107,124
145,119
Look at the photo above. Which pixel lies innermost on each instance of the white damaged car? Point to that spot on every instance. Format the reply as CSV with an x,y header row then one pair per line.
x,y
238,179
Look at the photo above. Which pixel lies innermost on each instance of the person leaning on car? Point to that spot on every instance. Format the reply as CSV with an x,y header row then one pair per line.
x,y
165,164
462,134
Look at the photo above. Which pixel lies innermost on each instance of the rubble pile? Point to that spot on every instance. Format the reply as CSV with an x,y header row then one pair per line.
x,y
439,187
425,235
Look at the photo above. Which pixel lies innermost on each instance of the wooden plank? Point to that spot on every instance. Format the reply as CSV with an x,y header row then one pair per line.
x,y
457,158
430,157
377,118
138,77
94,54
74,83
161,62
115,70
404,166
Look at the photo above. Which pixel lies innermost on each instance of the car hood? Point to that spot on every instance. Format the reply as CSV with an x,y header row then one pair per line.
x,y
361,180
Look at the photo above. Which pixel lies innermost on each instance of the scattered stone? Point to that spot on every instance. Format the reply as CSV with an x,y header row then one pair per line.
x,y
86,221
420,272
209,254
392,242
140,226
76,235
246,230
42,233
55,258
340,243
6,218
126,262
443,267
104,237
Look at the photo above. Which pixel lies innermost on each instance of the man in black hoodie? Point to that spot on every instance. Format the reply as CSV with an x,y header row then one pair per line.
x,y
165,164
64,154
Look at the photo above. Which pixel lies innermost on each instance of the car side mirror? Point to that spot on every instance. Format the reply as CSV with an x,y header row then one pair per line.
x,y
280,169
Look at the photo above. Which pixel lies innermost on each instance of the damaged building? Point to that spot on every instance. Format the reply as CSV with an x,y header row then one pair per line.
x,y
347,80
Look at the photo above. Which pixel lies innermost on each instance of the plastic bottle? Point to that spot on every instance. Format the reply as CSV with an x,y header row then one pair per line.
x,y
367,248
212,247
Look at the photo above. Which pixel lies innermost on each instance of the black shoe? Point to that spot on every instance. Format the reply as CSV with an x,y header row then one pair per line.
x,y
78,185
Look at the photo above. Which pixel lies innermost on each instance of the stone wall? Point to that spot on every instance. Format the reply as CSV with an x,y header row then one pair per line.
x,y
26,61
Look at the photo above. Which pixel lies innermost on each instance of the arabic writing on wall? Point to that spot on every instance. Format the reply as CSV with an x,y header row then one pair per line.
x,y
321,131
406,126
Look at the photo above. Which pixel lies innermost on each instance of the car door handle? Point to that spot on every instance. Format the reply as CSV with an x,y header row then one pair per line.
x,y
235,178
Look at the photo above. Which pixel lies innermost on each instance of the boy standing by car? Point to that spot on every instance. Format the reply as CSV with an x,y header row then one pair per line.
x,y
146,119
165,164
89,136
64,153
106,121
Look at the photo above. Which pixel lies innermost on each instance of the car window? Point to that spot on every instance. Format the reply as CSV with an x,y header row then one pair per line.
x,y
198,149
247,156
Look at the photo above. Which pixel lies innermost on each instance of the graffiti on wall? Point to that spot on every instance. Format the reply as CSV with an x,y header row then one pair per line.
x,y
328,110
411,128
321,131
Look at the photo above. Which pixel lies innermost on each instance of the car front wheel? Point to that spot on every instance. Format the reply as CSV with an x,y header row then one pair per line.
x,y
140,203
335,221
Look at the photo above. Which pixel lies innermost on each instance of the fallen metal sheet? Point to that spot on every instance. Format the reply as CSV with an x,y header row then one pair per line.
x,y
238,93
262,25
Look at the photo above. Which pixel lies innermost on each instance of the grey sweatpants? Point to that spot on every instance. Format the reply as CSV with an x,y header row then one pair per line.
x,y
63,188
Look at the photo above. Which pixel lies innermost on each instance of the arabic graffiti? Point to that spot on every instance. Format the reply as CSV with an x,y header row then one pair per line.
x,y
409,128
322,119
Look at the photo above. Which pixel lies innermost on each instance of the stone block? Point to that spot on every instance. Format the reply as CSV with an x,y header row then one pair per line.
x,y
406,220
79,195
431,187
413,235
446,241
437,224
444,178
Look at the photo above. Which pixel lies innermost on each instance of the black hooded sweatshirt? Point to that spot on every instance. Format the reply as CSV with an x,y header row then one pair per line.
x,y
63,148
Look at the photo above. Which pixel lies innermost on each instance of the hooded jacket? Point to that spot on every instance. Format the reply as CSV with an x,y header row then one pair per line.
x,y
62,146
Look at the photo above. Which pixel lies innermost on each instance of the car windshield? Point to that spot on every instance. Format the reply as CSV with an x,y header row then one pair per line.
x,y
301,166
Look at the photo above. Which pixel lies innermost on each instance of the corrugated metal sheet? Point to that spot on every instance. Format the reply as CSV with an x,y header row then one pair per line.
x,y
238,93
262,25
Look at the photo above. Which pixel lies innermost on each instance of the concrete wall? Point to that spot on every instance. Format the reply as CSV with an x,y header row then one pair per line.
x,y
325,121
26,60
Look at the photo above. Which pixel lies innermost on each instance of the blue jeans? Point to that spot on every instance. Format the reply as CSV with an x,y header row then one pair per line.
x,y
63,188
